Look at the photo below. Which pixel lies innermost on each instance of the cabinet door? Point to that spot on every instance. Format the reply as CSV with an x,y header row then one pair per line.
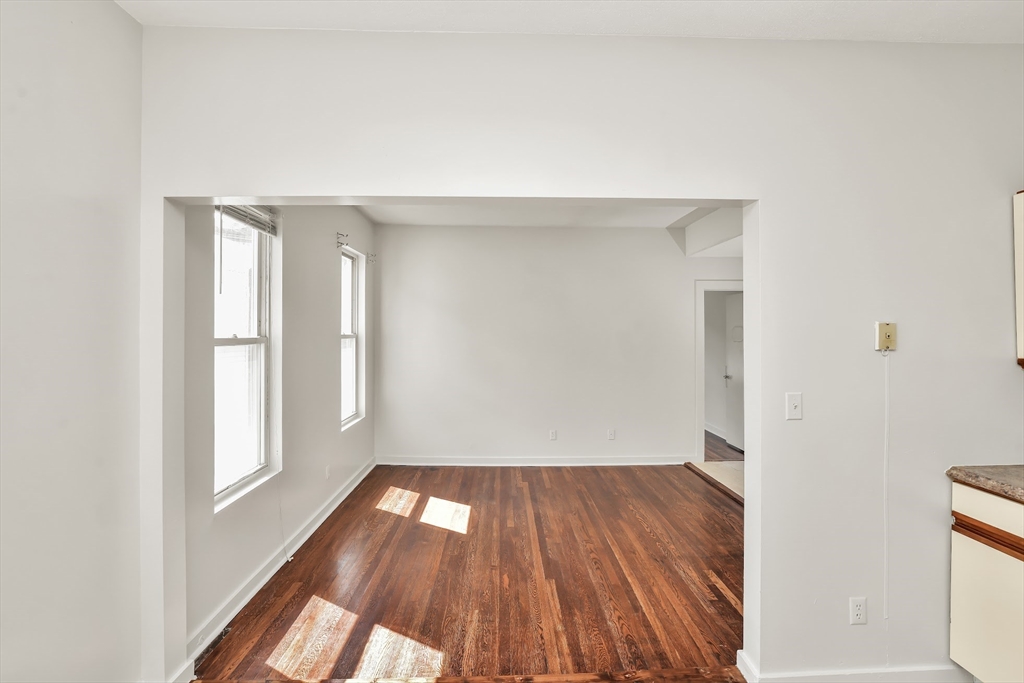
x,y
986,630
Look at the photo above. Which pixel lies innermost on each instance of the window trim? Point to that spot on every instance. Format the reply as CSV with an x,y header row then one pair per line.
x,y
356,335
263,471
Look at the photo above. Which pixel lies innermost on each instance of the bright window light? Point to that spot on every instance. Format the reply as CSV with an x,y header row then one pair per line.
x,y
238,408
241,345
390,655
314,641
351,336
349,369
398,501
446,514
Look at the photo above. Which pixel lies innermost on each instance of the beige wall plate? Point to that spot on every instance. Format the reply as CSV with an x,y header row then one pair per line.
x,y
885,336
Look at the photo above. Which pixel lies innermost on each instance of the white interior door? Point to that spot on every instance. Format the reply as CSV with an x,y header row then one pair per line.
x,y
734,369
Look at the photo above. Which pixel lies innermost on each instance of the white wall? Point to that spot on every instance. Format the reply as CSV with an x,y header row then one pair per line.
x,y
720,226
491,337
714,363
231,552
70,80
869,160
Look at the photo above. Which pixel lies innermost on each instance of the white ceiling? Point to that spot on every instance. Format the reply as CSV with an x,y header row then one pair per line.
x,y
918,21
513,214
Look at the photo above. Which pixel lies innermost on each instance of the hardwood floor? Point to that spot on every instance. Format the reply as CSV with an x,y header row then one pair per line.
x,y
724,674
716,449
497,571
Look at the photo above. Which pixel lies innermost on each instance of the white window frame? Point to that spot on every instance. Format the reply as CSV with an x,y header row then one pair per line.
x,y
248,481
357,335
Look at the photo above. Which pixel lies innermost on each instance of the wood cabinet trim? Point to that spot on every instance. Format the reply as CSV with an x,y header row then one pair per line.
x,y
993,537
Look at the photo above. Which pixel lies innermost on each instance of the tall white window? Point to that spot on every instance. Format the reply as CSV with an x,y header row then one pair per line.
x,y
351,337
241,260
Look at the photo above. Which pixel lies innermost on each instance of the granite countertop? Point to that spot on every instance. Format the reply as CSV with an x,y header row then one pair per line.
x,y
1002,480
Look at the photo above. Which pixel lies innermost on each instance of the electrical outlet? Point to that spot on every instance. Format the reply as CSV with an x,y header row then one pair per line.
x,y
611,435
858,611
553,435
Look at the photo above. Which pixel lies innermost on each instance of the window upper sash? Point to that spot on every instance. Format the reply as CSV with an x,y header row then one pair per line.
x,y
262,218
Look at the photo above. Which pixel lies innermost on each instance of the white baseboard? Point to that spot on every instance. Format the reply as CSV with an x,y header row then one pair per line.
x,y
185,674
533,460
746,667
203,636
717,431
949,673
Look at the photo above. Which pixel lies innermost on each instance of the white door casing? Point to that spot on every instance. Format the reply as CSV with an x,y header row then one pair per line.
x,y
734,369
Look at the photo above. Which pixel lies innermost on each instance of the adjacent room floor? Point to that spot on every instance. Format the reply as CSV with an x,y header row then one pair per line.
x,y
485,571
722,467
716,449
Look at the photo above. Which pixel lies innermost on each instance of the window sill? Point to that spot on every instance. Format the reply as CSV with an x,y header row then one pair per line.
x,y
231,495
351,421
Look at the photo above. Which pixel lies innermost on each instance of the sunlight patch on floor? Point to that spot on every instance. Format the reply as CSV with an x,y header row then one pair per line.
x,y
390,655
314,641
446,514
398,501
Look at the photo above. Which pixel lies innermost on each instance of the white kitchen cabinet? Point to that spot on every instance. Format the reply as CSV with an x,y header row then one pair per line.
x,y
987,585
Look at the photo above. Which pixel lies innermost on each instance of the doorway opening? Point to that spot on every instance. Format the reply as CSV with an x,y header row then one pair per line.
x,y
195,638
720,425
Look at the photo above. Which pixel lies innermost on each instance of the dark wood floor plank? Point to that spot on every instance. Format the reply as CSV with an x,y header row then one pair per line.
x,y
594,615
561,572
646,638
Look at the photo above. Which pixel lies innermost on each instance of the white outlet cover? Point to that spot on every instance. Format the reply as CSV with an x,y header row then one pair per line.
x,y
858,611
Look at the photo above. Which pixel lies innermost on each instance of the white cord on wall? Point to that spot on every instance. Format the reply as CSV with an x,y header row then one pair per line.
x,y
885,499
885,341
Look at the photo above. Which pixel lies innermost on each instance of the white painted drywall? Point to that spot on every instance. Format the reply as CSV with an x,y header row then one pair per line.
x,y
869,160
731,248
228,548
720,226
491,337
714,363
70,79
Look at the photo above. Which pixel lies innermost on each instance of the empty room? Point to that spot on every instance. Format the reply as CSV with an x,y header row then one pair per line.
x,y
493,341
